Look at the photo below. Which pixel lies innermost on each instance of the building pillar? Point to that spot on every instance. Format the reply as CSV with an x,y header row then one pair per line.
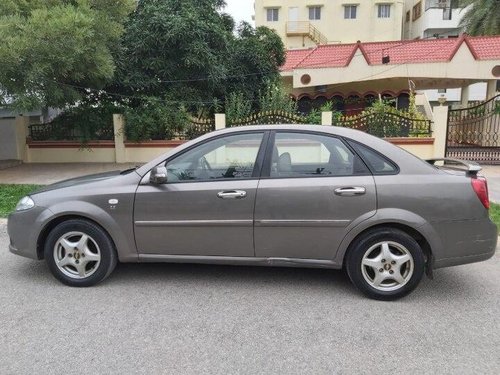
x,y
327,118
22,131
439,130
491,88
119,134
220,121
465,96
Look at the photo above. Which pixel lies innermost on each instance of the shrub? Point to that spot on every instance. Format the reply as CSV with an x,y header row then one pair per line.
x,y
155,120
84,123
237,107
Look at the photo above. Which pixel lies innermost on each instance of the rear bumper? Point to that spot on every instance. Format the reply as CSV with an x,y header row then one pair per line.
x,y
474,248
449,262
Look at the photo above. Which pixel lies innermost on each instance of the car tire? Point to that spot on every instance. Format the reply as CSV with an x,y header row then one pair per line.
x,y
385,264
79,253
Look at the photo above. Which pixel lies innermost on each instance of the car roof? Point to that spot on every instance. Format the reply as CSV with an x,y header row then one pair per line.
x,y
407,162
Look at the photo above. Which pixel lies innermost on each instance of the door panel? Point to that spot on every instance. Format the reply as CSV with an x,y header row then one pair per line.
x,y
206,209
190,219
318,187
304,218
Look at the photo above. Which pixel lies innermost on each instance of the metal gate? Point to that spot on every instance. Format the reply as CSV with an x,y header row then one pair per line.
x,y
474,133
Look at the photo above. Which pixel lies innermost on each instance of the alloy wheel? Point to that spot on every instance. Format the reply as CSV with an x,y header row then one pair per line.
x,y
77,255
387,266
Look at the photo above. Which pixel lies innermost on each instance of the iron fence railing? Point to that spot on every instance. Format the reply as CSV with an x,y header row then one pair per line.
x,y
387,125
269,118
196,128
59,132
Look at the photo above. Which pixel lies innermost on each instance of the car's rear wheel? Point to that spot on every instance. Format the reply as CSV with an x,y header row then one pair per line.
x,y
385,264
79,253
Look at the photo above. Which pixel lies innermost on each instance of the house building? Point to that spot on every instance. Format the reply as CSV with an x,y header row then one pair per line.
x,y
425,19
307,23
351,75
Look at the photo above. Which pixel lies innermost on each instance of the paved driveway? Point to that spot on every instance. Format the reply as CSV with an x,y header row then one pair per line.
x,y
161,318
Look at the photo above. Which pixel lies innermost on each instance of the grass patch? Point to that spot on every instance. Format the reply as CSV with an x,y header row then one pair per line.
x,y
10,195
495,213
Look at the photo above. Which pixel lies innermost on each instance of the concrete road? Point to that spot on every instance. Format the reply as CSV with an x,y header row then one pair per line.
x,y
166,319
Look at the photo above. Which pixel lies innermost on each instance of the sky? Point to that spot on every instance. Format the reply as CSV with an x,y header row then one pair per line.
x,y
241,10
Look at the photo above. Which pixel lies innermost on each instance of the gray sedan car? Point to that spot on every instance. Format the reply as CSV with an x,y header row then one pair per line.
x,y
274,195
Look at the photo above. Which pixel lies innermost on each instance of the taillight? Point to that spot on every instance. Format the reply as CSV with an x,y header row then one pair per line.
x,y
480,186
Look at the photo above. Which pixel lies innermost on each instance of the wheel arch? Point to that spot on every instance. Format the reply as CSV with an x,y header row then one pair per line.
x,y
54,222
412,232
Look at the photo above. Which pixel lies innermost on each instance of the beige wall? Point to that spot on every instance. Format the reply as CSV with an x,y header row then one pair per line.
x,y
71,155
366,27
423,151
144,154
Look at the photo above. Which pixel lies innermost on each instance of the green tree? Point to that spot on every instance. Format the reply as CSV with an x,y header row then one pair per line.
x,y
186,52
51,49
482,17
256,56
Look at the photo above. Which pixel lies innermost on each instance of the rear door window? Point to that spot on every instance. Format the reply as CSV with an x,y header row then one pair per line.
x,y
378,163
313,155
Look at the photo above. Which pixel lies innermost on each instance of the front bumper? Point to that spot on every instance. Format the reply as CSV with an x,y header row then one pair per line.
x,y
23,228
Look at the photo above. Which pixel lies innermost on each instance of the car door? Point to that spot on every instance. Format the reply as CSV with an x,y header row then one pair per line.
x,y
314,190
206,207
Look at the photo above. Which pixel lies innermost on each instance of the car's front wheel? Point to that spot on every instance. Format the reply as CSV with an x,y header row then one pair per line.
x,y
79,253
385,264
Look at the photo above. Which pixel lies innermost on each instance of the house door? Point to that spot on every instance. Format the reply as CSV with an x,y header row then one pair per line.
x,y
293,19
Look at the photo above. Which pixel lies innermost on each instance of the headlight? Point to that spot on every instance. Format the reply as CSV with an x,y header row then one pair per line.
x,y
25,204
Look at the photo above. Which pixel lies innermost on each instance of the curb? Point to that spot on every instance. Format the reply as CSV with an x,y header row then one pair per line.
x,y
3,221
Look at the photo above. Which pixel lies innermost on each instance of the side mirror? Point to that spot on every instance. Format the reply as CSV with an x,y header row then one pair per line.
x,y
158,175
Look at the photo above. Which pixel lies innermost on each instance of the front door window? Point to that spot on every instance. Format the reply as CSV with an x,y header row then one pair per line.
x,y
228,158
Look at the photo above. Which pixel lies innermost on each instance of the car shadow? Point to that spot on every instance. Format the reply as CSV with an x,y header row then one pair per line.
x,y
447,284
205,274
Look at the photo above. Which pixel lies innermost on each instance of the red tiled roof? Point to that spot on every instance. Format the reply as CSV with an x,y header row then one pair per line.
x,y
429,50
486,47
332,55
400,52
294,57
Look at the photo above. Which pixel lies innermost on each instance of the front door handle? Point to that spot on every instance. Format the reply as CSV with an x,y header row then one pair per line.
x,y
350,191
232,194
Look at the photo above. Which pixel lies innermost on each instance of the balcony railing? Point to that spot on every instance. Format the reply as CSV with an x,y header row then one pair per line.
x,y
442,4
305,28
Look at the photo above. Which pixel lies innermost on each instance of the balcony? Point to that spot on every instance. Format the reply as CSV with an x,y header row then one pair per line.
x,y
305,29
442,4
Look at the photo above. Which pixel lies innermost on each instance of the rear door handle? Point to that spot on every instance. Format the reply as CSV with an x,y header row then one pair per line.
x,y
232,194
350,191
